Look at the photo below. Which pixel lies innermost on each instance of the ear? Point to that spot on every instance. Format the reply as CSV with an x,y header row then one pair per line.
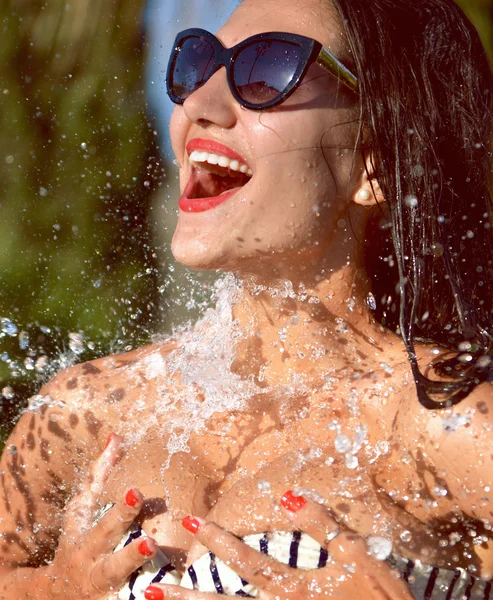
x,y
368,193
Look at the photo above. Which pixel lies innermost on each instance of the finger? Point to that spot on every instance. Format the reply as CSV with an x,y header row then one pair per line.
x,y
113,571
80,511
311,518
256,568
315,520
160,591
108,533
344,545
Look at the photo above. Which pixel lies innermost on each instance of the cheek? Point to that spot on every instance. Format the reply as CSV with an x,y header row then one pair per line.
x,y
177,131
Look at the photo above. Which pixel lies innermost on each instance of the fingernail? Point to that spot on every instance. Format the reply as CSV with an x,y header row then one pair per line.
x,y
143,548
291,502
191,524
154,593
112,435
131,498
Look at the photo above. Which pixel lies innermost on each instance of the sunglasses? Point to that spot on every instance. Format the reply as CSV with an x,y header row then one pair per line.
x,y
262,71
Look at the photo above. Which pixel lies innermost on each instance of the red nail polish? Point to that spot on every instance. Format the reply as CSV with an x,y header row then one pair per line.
x,y
112,435
191,524
143,549
154,593
131,498
291,502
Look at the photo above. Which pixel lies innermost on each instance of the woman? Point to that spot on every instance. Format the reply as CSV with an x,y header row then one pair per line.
x,y
351,202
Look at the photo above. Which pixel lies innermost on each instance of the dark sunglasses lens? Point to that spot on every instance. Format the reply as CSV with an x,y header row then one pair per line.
x,y
263,70
193,66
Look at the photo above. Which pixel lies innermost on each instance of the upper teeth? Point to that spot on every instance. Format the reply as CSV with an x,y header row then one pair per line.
x,y
223,161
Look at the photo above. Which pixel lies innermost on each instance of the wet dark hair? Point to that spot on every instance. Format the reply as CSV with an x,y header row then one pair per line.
x,y
426,92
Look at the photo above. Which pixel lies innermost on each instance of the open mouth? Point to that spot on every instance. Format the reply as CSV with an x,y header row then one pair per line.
x,y
213,180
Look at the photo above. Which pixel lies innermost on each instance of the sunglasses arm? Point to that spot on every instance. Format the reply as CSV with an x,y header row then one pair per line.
x,y
329,62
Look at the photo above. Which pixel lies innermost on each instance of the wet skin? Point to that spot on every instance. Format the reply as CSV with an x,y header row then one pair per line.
x,y
413,476
271,441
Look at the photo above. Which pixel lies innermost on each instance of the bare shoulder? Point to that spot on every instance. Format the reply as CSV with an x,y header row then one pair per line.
x,y
59,434
455,445
102,387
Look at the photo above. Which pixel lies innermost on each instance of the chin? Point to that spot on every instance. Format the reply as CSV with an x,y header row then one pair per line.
x,y
197,255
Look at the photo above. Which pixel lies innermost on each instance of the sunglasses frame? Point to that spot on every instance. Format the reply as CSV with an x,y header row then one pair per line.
x,y
311,52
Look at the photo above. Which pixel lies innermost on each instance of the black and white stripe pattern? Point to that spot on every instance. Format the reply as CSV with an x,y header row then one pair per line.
x,y
209,574
298,550
431,583
157,570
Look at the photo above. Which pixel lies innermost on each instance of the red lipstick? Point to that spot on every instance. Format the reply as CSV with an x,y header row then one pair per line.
x,y
215,148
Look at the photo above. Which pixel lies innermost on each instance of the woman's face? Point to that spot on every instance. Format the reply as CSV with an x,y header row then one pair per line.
x,y
301,154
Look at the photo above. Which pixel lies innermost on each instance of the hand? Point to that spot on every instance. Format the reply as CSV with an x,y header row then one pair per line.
x,y
350,573
84,566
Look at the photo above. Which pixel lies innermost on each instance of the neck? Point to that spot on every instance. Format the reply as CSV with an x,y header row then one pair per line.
x,y
309,327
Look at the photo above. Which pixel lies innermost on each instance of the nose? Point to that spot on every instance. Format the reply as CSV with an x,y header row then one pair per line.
x,y
212,103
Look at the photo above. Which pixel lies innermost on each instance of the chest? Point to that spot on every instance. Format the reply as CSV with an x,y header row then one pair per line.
x,y
236,468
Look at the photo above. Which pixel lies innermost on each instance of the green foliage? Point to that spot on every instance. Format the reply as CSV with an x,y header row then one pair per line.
x,y
78,164
481,14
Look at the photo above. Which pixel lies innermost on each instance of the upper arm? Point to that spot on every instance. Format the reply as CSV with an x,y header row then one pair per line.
x,y
41,465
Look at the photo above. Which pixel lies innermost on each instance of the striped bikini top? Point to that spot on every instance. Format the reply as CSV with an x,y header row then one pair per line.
x,y
298,550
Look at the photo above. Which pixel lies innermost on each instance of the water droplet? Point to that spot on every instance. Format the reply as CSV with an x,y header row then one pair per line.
x,y
372,303
454,538
341,326
76,343
382,447
343,444
8,393
454,422
406,536
411,201
23,340
8,327
440,491
351,461
438,250
314,453
350,303
264,487
83,146
379,547
41,364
